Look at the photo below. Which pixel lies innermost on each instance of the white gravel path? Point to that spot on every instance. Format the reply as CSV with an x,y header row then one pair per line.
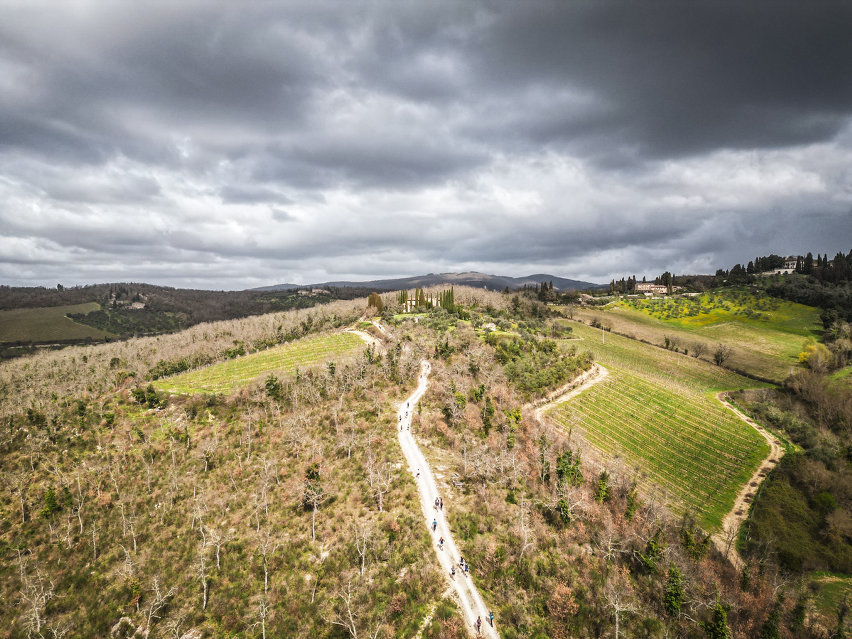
x,y
467,594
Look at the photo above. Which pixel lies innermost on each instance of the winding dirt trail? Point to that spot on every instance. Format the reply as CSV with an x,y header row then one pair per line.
x,y
467,595
724,540
595,374
369,339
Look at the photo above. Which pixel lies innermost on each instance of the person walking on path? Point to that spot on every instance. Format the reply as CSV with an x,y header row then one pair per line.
x,y
491,617
453,572
434,525
478,625
441,543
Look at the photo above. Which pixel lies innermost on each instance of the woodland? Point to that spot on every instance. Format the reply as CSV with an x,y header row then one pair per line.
x,y
284,508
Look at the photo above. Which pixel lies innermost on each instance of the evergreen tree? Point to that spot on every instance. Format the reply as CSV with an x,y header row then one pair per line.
x,y
809,263
674,595
770,630
717,626
375,300
653,553
568,470
602,493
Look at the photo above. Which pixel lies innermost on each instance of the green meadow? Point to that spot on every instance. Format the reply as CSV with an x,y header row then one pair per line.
x,y
231,375
47,324
765,334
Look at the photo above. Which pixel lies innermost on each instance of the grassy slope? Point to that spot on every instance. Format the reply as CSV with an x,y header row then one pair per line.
x,y
766,343
832,589
842,379
45,324
657,411
231,375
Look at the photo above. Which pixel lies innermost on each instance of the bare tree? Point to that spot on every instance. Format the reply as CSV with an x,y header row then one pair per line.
x,y
722,353
314,495
527,537
379,477
344,614
159,598
363,534
218,539
729,536
619,598
319,559
175,626
22,482
201,571
609,546
34,595
79,500
266,547
349,436
262,615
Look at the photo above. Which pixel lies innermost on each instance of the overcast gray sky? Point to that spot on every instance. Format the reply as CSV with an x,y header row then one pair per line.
x,y
232,145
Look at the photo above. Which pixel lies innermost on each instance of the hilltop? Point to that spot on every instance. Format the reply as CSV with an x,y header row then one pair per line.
x,y
469,278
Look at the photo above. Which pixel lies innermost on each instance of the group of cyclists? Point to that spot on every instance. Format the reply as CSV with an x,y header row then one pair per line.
x,y
464,567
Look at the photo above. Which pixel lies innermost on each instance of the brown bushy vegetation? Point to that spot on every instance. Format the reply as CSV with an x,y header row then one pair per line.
x,y
285,510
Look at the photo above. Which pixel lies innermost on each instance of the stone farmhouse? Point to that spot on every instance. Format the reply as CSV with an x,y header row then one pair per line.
x,y
649,288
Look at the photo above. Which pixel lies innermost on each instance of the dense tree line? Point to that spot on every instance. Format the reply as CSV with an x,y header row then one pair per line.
x,y
143,309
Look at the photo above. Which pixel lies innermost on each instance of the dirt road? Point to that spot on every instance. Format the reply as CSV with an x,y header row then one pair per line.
x,y
467,595
724,540
595,374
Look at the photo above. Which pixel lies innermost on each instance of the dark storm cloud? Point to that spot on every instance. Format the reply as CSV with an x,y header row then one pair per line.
x,y
199,142
683,77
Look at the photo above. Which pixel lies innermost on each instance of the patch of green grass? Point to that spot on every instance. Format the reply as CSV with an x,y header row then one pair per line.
x,y
766,334
657,411
228,376
47,324
833,587
842,379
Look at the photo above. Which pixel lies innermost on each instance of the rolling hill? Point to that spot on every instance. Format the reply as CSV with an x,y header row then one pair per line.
x,y
469,278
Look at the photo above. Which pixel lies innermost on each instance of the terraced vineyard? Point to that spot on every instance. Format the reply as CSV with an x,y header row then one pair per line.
x,y
657,412
229,376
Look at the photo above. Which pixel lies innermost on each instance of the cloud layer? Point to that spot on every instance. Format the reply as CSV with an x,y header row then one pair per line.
x,y
229,146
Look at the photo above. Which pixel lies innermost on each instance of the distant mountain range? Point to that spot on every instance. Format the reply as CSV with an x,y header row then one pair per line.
x,y
470,278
